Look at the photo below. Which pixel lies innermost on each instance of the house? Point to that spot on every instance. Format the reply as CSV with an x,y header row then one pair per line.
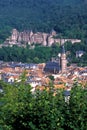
x,y
10,78
79,53
33,81
83,73
67,94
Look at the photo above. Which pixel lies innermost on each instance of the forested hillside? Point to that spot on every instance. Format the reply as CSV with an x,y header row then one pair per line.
x,y
68,17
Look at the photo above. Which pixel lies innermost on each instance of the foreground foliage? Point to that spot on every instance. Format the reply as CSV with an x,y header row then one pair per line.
x,y
22,109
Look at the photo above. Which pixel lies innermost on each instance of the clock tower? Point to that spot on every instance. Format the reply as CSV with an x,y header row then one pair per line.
x,y
63,60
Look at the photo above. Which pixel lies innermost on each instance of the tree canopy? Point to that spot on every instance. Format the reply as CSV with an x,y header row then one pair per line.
x,y
22,109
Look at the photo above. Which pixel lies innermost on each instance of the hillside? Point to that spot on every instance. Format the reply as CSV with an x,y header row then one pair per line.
x,y
68,17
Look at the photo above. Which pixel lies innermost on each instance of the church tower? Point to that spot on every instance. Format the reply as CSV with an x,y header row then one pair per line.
x,y
63,60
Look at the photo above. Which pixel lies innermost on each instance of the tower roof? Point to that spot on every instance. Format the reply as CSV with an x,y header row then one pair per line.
x,y
63,49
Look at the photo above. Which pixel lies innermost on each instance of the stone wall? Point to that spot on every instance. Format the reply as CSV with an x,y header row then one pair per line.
x,y
30,37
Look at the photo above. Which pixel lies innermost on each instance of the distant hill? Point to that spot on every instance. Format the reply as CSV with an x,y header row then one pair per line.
x,y
68,17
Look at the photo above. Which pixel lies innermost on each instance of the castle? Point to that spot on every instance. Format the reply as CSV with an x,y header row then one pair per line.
x,y
29,37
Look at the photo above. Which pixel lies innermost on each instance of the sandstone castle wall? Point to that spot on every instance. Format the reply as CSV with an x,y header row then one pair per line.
x,y
38,38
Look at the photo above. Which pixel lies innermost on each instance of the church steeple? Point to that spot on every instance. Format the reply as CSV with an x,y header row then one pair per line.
x,y
63,60
63,49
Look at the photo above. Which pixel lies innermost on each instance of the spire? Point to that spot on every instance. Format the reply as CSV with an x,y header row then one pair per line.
x,y
63,49
63,60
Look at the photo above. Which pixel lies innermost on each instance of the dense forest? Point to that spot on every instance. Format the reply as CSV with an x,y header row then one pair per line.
x,y
41,110
68,17
39,54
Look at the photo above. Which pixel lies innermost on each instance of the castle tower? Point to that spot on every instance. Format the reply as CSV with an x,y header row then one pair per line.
x,y
14,35
63,60
50,40
45,39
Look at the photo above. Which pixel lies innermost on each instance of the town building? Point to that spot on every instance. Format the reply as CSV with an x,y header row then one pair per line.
x,y
57,65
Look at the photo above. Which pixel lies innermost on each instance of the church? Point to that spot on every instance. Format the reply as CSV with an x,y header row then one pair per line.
x,y
57,66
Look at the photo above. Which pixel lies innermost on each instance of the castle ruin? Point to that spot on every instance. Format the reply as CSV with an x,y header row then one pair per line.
x,y
29,37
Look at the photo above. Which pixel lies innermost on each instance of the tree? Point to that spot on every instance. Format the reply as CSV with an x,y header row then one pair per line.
x,y
43,109
15,101
21,109
51,77
78,108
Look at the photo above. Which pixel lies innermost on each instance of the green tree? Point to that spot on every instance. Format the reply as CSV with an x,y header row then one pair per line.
x,y
51,77
77,108
22,109
16,99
